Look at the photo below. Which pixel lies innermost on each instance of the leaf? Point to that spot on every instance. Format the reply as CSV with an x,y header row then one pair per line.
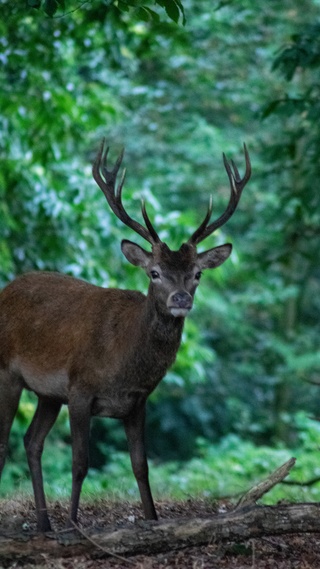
x,y
172,8
180,5
123,6
154,16
34,3
270,108
172,11
50,7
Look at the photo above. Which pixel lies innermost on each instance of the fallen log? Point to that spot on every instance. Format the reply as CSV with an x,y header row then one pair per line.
x,y
154,537
245,521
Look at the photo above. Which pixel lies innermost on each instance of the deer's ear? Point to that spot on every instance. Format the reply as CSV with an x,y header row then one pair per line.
x,y
214,257
135,254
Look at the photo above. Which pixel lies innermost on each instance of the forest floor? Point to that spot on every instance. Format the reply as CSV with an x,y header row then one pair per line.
x,y
301,551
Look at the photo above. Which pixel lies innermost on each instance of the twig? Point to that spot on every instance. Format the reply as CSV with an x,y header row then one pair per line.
x,y
250,497
298,483
312,381
96,544
70,11
275,544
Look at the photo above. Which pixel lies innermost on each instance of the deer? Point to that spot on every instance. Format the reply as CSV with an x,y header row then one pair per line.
x,y
101,351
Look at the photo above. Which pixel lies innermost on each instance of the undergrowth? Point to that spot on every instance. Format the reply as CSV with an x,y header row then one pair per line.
x,y
225,469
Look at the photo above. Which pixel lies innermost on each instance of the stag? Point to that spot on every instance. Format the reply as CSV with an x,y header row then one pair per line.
x,y
101,351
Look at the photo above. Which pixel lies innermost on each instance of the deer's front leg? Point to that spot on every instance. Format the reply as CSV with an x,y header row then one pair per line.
x,y
80,414
134,427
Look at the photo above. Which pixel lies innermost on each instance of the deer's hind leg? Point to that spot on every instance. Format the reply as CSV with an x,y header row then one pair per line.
x,y
10,392
42,422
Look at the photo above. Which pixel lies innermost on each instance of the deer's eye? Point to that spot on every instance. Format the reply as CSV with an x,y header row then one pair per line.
x,y
197,276
154,275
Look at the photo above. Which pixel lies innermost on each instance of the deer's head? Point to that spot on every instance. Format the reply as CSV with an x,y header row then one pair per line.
x,y
174,275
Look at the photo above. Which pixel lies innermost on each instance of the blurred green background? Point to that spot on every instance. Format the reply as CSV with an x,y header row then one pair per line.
x,y
176,84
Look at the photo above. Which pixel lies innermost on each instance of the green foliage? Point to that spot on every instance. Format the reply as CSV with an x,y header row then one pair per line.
x,y
225,469
176,97
302,52
138,9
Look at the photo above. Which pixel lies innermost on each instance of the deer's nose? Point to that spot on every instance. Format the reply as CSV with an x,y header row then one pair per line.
x,y
181,299
179,303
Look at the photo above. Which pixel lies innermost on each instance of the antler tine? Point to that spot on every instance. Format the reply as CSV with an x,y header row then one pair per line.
x,y
236,171
96,165
236,186
148,223
248,164
106,180
194,237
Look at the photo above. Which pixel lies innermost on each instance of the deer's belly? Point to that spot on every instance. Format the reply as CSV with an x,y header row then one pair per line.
x,y
53,384
118,405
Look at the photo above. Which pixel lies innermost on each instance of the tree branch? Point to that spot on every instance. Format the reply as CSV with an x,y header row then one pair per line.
x,y
255,493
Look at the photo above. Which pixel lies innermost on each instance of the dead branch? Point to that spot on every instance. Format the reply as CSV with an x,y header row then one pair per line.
x,y
255,493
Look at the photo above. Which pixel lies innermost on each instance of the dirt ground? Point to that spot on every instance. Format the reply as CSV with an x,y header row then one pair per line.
x,y
301,551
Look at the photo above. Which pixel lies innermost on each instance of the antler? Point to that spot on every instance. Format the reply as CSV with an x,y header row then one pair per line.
x,y
106,180
236,186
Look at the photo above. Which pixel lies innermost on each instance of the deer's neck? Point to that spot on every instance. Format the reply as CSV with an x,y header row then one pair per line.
x,y
157,340
163,328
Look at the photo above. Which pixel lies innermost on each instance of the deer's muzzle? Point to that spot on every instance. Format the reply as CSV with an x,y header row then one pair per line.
x,y
180,303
